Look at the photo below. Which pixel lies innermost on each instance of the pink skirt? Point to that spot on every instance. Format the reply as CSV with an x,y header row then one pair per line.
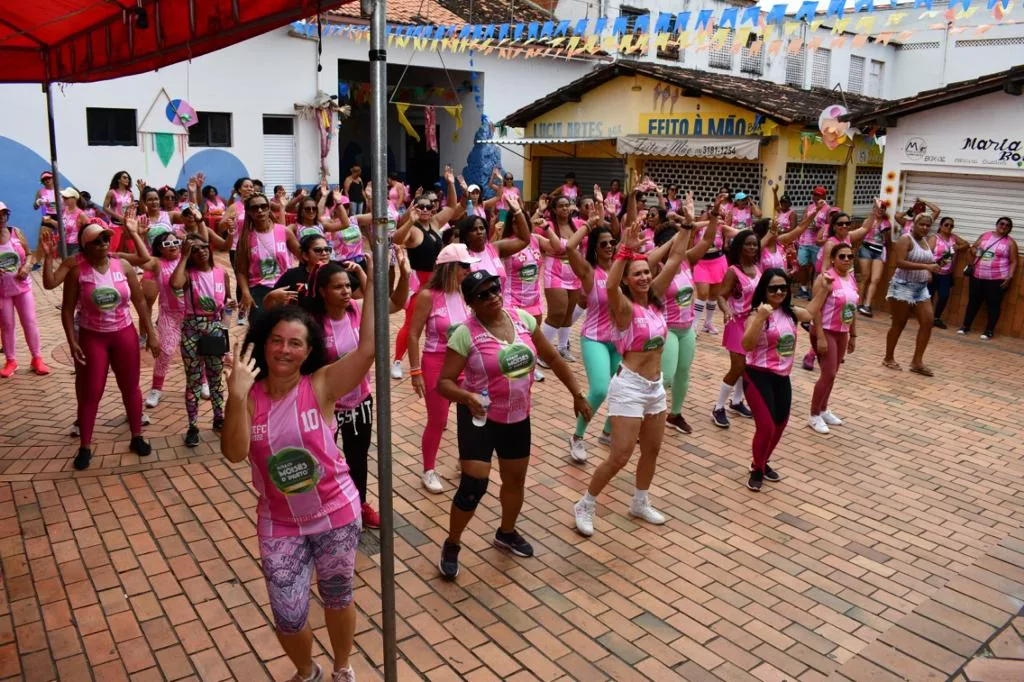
x,y
711,271
536,309
732,335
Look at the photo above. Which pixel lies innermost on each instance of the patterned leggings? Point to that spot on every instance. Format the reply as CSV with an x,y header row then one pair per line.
x,y
191,330
288,568
168,327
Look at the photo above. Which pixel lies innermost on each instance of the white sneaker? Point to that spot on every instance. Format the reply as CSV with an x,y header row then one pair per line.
x,y
605,438
205,391
817,423
830,418
566,355
146,421
541,363
346,675
584,518
577,450
153,398
431,482
75,431
537,374
646,512
396,370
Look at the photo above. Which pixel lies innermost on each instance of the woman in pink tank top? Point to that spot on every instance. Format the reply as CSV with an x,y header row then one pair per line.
x,y
770,342
166,248
16,295
833,333
946,246
473,232
636,395
119,196
777,240
496,350
102,287
710,271
995,260
265,252
561,285
872,254
437,309
280,416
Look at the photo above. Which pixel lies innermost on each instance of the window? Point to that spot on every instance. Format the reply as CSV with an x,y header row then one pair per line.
x,y
670,51
111,127
720,56
875,77
752,56
213,129
821,68
795,66
631,14
278,125
856,82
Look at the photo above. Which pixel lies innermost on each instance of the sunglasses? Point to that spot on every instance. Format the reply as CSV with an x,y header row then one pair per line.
x,y
321,250
843,223
425,207
200,247
486,294
259,207
844,256
172,243
607,242
102,239
309,208
777,288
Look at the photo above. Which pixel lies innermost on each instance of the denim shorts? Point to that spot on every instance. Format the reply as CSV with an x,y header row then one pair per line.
x,y
864,253
908,292
807,254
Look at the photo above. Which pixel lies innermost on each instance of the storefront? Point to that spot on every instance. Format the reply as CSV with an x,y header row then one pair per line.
x,y
697,130
963,149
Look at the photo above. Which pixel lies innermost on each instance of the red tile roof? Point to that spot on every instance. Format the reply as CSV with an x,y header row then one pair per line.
x,y
441,12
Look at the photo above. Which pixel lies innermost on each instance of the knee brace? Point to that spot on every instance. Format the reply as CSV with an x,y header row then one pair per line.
x,y
470,492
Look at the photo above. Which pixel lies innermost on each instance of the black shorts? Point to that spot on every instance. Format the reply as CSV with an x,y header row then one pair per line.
x,y
478,443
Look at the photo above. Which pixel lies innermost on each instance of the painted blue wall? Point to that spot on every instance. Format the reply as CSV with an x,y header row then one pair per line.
x,y
220,167
19,179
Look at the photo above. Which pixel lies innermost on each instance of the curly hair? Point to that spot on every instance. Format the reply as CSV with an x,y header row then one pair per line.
x,y
262,326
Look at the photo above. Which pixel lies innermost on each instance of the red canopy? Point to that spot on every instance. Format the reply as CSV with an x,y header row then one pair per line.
x,y
89,40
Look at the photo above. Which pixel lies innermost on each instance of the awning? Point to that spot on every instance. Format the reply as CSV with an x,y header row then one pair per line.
x,y
85,40
698,147
542,140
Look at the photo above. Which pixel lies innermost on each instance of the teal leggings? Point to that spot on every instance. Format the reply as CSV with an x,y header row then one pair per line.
x,y
600,359
676,359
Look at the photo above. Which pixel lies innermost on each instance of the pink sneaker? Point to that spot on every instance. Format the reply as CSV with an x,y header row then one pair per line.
x,y
808,363
9,368
710,328
39,367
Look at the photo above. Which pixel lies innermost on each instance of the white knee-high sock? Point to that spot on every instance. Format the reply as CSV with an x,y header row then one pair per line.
x,y
578,313
698,308
709,315
737,394
549,332
563,336
723,395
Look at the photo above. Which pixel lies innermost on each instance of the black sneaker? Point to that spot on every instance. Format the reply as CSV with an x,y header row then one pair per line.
x,y
755,481
140,446
192,437
677,422
513,542
866,311
939,324
720,418
449,563
771,475
82,459
218,423
741,409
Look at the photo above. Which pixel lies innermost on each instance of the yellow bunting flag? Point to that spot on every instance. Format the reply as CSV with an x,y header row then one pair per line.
x,y
409,130
456,113
895,18
840,26
865,25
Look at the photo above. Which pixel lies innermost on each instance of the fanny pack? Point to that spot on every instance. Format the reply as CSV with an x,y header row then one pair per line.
x,y
712,255
213,345
873,247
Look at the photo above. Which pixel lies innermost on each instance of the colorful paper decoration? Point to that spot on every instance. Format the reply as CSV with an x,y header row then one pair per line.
x,y
180,112
833,131
164,143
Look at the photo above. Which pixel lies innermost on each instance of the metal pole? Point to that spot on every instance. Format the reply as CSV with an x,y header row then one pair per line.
x,y
382,335
62,241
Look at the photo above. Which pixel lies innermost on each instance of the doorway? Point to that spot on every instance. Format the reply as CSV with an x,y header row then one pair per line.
x,y
422,166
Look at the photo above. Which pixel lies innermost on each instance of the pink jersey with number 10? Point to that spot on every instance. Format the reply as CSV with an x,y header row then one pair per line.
x,y
598,325
523,268
775,344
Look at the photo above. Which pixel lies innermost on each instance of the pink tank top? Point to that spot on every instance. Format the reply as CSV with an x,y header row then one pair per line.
x,y
943,247
239,221
103,297
717,246
504,369
342,337
785,221
122,200
598,325
646,331
12,256
171,300
70,220
741,217
447,311
674,205
810,235
300,475
616,200
679,299
523,268
558,274
821,252
208,292
743,294
993,257
490,262
774,257
268,255
775,344
348,243
570,192
215,209
49,206
841,305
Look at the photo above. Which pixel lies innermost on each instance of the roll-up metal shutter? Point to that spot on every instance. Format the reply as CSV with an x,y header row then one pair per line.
x,y
279,152
705,178
589,172
867,186
975,202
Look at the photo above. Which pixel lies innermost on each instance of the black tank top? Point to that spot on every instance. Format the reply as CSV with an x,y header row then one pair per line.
x,y
355,190
422,258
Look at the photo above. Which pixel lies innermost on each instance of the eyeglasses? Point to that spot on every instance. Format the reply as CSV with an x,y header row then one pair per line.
x,y
102,239
844,256
777,288
486,294
424,207
259,207
172,243
842,223
321,250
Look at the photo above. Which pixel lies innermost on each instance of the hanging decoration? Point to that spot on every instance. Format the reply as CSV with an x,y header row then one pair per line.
x,y
833,131
181,113
401,108
327,115
164,143
430,127
165,128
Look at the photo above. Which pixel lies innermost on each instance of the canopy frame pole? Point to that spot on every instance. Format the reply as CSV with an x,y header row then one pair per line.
x,y
382,335
52,130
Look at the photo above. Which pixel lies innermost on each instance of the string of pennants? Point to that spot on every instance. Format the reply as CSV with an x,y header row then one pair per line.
x,y
682,30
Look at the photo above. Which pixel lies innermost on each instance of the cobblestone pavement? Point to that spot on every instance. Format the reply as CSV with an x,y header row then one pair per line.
x,y
891,550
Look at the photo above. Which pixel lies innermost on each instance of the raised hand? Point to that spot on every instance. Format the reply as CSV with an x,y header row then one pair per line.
x,y
598,195
449,175
242,371
462,183
542,203
764,310
632,237
141,184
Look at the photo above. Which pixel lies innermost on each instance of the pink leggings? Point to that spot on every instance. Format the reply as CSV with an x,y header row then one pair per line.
x,y
830,361
25,304
103,351
437,408
168,328
402,339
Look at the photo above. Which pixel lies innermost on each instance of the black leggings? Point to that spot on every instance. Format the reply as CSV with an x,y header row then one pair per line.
x,y
770,397
354,427
479,443
987,291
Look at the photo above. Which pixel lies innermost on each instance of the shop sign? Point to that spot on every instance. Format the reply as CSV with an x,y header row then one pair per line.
x,y
967,150
694,147
685,124
575,128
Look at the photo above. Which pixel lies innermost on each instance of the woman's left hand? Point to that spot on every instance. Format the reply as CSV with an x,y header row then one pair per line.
x,y
153,343
851,345
1006,283
581,406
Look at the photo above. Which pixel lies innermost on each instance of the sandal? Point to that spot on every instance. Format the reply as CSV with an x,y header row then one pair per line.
x,y
923,371
892,364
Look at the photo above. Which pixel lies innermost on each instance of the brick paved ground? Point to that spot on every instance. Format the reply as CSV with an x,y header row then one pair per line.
x,y
891,550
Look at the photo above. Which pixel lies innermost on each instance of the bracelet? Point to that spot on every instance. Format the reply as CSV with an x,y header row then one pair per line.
x,y
415,373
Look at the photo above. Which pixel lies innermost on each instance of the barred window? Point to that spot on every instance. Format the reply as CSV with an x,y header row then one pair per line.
x,y
821,68
855,84
720,56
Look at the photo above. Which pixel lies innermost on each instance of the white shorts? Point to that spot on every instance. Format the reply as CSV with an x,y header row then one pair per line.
x,y
631,395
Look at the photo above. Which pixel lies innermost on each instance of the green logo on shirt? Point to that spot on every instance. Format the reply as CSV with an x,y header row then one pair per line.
x,y
654,343
293,471
351,235
528,273
307,231
106,298
207,304
9,262
847,315
684,296
987,256
786,345
268,268
515,361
